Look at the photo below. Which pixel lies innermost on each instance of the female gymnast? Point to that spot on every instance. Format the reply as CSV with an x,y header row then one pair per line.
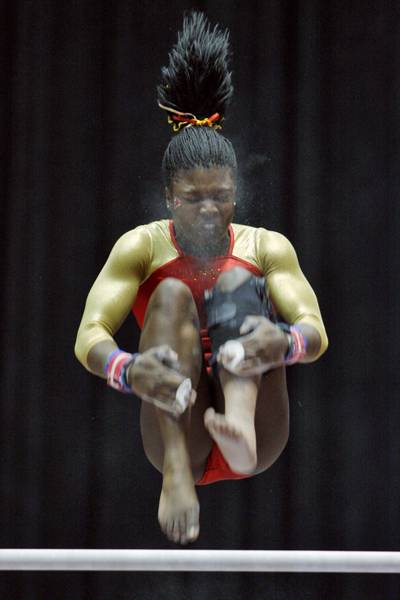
x,y
223,307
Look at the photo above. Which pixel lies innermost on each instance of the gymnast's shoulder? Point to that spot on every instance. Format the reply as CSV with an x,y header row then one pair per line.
x,y
141,239
145,247
266,247
134,249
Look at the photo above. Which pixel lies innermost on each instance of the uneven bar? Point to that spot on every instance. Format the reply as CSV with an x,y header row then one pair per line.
x,y
301,561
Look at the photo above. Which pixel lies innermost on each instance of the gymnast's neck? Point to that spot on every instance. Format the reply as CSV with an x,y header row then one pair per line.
x,y
202,247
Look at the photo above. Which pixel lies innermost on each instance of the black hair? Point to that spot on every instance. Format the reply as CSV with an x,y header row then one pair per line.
x,y
197,80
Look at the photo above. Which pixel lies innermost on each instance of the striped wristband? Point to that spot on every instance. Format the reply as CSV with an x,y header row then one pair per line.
x,y
297,344
116,367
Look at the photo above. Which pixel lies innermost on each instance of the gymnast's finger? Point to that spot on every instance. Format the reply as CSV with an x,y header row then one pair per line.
x,y
250,323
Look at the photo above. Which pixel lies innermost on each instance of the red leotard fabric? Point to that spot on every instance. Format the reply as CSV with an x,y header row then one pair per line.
x,y
198,275
217,469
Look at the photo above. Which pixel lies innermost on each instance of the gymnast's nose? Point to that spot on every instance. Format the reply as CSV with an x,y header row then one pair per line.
x,y
208,207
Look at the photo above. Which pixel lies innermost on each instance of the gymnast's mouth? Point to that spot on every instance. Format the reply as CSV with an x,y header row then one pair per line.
x,y
209,224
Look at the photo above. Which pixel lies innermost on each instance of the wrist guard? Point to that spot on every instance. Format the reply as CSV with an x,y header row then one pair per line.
x,y
116,368
297,343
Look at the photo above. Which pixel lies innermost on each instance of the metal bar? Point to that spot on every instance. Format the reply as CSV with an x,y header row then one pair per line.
x,y
301,561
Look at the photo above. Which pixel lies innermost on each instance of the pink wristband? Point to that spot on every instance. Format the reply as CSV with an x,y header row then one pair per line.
x,y
297,347
115,369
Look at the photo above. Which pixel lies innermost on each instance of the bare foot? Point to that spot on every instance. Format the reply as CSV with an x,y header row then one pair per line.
x,y
236,440
178,511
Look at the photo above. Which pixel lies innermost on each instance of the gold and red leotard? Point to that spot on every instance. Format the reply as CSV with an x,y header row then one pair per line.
x,y
144,256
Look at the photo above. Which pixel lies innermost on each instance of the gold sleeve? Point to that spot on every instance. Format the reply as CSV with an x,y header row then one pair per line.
x,y
289,290
114,291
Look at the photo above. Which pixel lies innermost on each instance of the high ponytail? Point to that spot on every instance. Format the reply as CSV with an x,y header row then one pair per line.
x,y
195,91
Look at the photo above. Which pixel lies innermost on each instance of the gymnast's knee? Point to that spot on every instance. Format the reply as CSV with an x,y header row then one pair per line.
x,y
237,294
172,288
232,279
172,297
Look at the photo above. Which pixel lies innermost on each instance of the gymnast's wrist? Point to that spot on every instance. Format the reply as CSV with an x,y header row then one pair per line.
x,y
296,348
117,370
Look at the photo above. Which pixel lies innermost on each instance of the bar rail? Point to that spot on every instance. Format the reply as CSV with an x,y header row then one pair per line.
x,y
301,561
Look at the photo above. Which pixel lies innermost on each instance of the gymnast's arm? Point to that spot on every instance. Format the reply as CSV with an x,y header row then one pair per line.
x,y
290,292
110,299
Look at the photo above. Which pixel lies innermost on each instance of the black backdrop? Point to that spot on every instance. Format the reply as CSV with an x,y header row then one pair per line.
x,y
315,121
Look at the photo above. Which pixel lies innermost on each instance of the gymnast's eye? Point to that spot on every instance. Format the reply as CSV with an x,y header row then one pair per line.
x,y
224,196
218,197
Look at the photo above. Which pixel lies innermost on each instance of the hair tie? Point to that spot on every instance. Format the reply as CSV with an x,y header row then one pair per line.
x,y
180,120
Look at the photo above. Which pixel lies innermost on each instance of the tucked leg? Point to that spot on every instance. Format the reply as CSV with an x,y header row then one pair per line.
x,y
251,422
177,447
234,431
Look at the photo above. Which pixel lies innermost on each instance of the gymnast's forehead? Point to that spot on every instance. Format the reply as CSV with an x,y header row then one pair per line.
x,y
199,178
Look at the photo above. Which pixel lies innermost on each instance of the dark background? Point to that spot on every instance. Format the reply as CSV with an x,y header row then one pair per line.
x,y
315,121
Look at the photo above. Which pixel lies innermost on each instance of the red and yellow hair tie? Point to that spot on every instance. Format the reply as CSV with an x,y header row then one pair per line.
x,y
180,120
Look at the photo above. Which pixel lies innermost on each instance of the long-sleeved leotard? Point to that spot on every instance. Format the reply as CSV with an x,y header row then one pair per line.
x,y
144,256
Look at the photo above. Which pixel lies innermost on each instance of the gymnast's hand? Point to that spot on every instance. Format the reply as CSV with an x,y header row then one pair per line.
x,y
264,345
155,377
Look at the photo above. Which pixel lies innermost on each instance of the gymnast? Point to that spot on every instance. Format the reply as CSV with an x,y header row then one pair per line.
x,y
223,308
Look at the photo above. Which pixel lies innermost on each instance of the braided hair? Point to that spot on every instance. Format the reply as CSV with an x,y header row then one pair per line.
x,y
195,90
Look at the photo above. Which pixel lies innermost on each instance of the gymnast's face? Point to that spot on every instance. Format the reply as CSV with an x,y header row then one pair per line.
x,y
202,202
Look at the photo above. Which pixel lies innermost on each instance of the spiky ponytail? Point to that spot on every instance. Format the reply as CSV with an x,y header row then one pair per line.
x,y
195,91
